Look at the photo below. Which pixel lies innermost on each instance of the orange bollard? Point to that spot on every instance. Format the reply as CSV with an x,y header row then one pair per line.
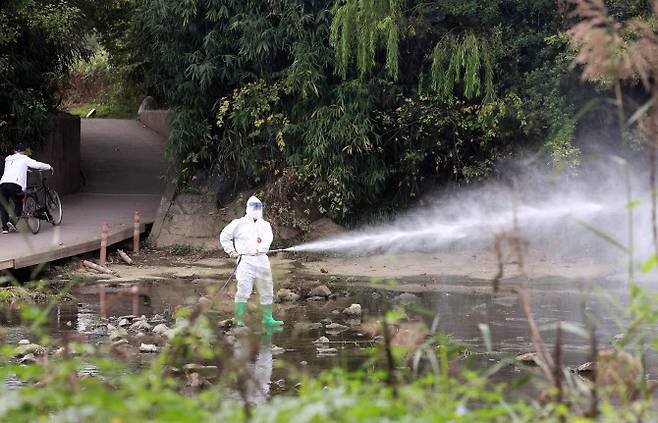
x,y
136,232
103,243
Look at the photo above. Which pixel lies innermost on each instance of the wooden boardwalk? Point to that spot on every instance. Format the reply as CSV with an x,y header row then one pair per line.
x,y
122,162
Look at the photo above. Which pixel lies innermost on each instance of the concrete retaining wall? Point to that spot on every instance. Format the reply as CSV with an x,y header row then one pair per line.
x,y
191,219
157,120
62,151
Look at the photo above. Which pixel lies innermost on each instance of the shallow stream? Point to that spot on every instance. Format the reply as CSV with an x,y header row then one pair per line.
x,y
459,311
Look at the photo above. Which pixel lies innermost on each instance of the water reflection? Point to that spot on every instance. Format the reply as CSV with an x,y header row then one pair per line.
x,y
459,316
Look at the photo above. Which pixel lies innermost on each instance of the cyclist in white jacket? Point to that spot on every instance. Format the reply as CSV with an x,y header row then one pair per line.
x,y
13,183
249,239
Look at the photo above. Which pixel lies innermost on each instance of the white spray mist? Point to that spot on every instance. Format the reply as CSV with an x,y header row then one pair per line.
x,y
549,212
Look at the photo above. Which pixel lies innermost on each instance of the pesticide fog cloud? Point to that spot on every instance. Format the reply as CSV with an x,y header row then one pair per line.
x,y
552,212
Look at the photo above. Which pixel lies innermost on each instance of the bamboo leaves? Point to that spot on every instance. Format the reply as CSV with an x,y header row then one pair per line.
x,y
460,59
357,29
361,27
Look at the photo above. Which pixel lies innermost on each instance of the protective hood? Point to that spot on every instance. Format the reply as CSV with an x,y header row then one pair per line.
x,y
254,208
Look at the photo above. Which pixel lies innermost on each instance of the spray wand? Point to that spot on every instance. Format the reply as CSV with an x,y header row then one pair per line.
x,y
280,250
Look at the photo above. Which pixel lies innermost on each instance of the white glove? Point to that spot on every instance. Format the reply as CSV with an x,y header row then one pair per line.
x,y
233,254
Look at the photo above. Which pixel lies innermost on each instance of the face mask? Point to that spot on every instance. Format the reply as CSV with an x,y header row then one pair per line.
x,y
255,214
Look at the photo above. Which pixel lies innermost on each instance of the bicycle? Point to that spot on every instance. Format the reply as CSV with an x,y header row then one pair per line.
x,y
34,210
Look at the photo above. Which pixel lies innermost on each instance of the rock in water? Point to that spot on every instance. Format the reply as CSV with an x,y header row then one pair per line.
x,y
529,359
35,349
320,291
128,317
140,325
356,321
327,351
148,348
286,295
321,340
28,359
335,327
354,310
160,329
585,367
118,334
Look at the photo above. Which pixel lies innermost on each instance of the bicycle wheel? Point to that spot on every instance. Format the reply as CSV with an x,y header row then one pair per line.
x,y
30,214
54,205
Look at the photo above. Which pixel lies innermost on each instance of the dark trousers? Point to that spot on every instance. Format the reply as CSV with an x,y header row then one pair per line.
x,y
14,193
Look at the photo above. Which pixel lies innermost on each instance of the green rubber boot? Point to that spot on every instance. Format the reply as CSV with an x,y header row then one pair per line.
x,y
239,313
268,320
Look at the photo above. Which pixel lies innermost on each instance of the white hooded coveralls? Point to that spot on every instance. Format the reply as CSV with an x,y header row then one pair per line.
x,y
247,236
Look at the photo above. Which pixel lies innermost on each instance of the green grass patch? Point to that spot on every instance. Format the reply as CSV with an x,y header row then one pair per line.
x,y
182,249
108,111
17,294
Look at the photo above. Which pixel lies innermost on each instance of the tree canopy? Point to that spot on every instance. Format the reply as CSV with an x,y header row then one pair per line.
x,y
362,102
351,104
39,41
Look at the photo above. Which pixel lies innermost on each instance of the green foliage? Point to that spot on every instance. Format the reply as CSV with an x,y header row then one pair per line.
x,y
107,110
452,56
251,132
364,104
39,42
357,29
449,139
182,249
326,92
113,29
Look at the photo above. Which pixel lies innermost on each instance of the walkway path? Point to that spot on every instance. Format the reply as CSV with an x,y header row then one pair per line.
x,y
122,162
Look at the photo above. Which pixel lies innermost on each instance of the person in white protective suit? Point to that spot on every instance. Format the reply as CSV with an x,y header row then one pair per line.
x,y
248,239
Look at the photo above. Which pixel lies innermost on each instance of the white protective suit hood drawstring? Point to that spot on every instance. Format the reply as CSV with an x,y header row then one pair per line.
x,y
254,208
